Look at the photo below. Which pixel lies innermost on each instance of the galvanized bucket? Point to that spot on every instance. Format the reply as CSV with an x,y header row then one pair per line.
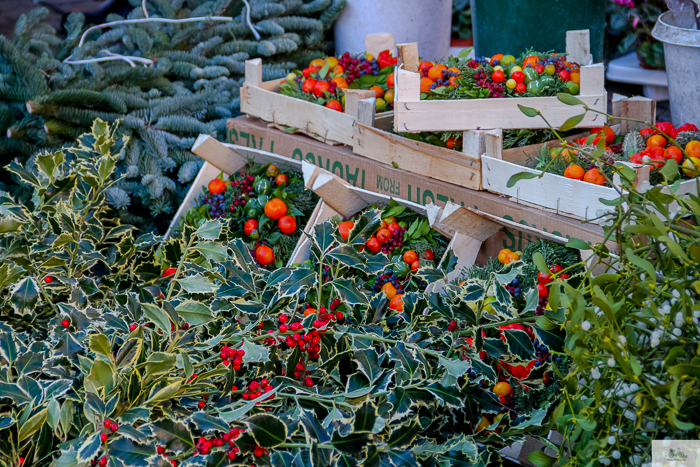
x,y
681,40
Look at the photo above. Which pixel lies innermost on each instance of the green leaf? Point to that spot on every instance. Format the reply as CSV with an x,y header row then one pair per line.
x,y
578,244
347,255
206,423
159,363
99,343
528,111
349,292
89,448
540,263
174,436
130,453
212,251
446,395
10,224
210,230
159,317
8,345
267,430
539,458
572,122
368,363
197,284
464,53
351,444
520,176
641,263
194,313
254,352
102,375
365,226
32,425
455,368
686,426
25,296
569,99
365,417
322,238
484,369
495,347
299,280
403,437
586,424
670,170
519,344
163,394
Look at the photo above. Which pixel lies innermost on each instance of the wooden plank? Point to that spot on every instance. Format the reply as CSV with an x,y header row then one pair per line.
x,y
408,56
524,154
338,195
565,196
472,114
406,85
379,42
578,47
592,80
307,116
474,143
468,222
417,157
273,85
384,121
434,212
366,111
493,142
253,72
637,107
353,98
218,154
204,176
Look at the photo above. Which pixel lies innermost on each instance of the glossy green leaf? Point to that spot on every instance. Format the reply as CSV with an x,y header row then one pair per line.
x,y
569,99
267,430
197,284
572,122
25,296
174,436
521,176
528,111
194,313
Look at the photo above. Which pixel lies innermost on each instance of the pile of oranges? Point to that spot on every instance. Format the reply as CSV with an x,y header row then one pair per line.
x,y
660,148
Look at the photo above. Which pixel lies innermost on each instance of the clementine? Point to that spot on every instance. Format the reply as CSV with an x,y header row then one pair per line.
x,y
657,141
574,171
594,176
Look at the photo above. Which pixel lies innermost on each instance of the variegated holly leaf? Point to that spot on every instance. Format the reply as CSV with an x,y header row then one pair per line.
x,y
519,344
176,437
267,430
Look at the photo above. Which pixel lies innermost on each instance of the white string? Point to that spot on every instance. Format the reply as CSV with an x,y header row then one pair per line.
x,y
247,18
145,10
111,57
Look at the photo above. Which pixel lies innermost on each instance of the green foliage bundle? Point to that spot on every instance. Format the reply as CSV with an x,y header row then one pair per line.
x,y
112,363
192,87
633,327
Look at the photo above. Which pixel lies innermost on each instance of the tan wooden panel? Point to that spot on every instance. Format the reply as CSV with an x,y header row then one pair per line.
x,y
468,222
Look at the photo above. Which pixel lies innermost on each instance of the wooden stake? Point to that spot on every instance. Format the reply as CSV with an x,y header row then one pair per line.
x,y
578,47
408,56
253,72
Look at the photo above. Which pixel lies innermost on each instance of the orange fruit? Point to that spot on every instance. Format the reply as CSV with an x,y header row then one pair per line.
x,y
340,82
377,90
454,69
308,85
502,389
435,73
334,105
672,152
309,311
389,290
510,257
453,81
502,255
576,78
396,303
390,80
216,186
317,62
496,57
344,229
531,60
656,141
425,84
410,257
594,176
424,67
574,171
321,87
275,208
338,70
332,62
483,424
693,149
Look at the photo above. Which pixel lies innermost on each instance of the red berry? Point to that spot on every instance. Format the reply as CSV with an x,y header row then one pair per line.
x,y
133,327
261,325
544,278
282,318
48,279
173,463
201,404
202,440
231,455
108,423
339,315
114,427
102,462
283,328
65,323
264,382
226,363
241,352
258,452
103,437
542,291
253,386
160,449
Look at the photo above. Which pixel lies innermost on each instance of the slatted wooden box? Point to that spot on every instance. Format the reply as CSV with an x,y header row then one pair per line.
x,y
413,115
263,100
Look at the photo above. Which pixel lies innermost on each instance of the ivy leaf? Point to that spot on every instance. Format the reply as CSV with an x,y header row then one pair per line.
x,y
254,352
519,344
349,291
267,430
130,453
174,436
351,444
455,368
210,230
194,313
365,418
212,251
25,296
403,437
197,284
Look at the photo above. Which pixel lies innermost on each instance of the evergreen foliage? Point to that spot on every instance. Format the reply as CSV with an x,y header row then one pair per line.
x,y
191,88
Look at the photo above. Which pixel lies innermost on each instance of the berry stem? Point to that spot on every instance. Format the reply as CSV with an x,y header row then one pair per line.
x,y
179,267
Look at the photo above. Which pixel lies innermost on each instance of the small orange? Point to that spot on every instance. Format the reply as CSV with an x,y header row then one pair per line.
x,y
338,70
344,229
389,290
377,90
672,152
216,186
309,311
693,149
502,255
390,80
425,84
496,57
435,73
453,81
576,78
396,303
334,105
567,153
656,141
424,67
510,257
308,85
275,208
574,171
483,424
502,389
331,61
317,62
454,69
340,82
594,176
531,60
410,256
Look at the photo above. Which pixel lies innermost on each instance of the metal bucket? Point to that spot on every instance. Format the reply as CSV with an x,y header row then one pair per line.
x,y
681,41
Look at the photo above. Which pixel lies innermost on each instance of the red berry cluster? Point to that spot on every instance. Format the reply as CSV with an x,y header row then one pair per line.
x,y
396,240
256,389
484,80
204,445
108,427
543,289
229,356
356,67
299,371
452,326
193,377
258,451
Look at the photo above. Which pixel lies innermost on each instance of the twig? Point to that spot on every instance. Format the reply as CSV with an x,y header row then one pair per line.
x,y
110,57
247,18
145,10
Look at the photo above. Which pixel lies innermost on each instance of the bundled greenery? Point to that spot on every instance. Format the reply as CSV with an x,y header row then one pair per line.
x,y
103,360
191,87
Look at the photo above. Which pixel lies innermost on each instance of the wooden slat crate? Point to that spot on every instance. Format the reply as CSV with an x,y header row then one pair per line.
x,y
263,100
413,115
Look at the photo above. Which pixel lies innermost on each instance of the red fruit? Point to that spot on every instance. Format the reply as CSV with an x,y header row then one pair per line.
x,y
410,257
216,186
339,315
383,235
667,128
48,279
334,105
498,76
609,134
114,427
287,225
65,323
429,255
373,245
415,265
308,85
564,75
687,127
282,318
103,437
539,69
344,229
250,225
393,227
102,462
231,456
645,132
264,255
520,88
542,291
169,272
133,327
518,76
160,449
283,328
201,404
556,268
173,463
108,423
544,278
450,143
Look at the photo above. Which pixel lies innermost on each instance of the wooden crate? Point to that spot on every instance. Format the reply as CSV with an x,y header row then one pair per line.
x,y
413,115
229,159
263,100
